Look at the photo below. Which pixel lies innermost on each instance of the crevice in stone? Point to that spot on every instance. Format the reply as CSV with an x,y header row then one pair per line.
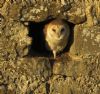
x,y
38,42
47,88
17,54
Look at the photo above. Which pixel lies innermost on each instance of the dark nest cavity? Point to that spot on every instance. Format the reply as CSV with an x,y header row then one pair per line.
x,y
38,42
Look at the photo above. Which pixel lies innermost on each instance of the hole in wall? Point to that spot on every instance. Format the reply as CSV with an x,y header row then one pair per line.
x,y
38,42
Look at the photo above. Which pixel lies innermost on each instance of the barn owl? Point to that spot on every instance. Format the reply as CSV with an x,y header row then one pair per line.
x,y
56,36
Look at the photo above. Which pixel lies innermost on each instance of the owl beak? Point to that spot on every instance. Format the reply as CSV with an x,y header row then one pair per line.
x,y
59,34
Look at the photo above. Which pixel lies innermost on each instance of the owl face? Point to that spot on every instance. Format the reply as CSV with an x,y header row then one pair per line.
x,y
56,35
57,32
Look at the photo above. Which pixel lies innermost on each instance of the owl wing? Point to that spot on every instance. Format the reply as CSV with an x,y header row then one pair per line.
x,y
45,34
45,30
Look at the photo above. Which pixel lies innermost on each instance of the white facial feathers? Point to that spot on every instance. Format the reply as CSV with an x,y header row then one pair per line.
x,y
56,36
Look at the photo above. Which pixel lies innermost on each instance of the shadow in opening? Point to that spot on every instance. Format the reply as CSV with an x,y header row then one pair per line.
x,y
38,41
71,37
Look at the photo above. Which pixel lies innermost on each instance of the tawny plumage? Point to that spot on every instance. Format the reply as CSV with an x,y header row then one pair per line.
x,y
56,36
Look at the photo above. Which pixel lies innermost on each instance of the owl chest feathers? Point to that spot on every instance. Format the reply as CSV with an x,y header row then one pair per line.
x,y
54,44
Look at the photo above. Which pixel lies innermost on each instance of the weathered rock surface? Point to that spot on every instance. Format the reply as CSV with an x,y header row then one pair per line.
x,y
88,40
23,73
26,75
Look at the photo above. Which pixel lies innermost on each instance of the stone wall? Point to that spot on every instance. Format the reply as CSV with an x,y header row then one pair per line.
x,y
23,73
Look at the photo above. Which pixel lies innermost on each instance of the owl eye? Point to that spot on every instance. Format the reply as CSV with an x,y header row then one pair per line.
x,y
62,30
54,30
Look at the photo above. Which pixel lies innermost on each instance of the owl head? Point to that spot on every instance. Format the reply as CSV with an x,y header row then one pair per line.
x,y
57,29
